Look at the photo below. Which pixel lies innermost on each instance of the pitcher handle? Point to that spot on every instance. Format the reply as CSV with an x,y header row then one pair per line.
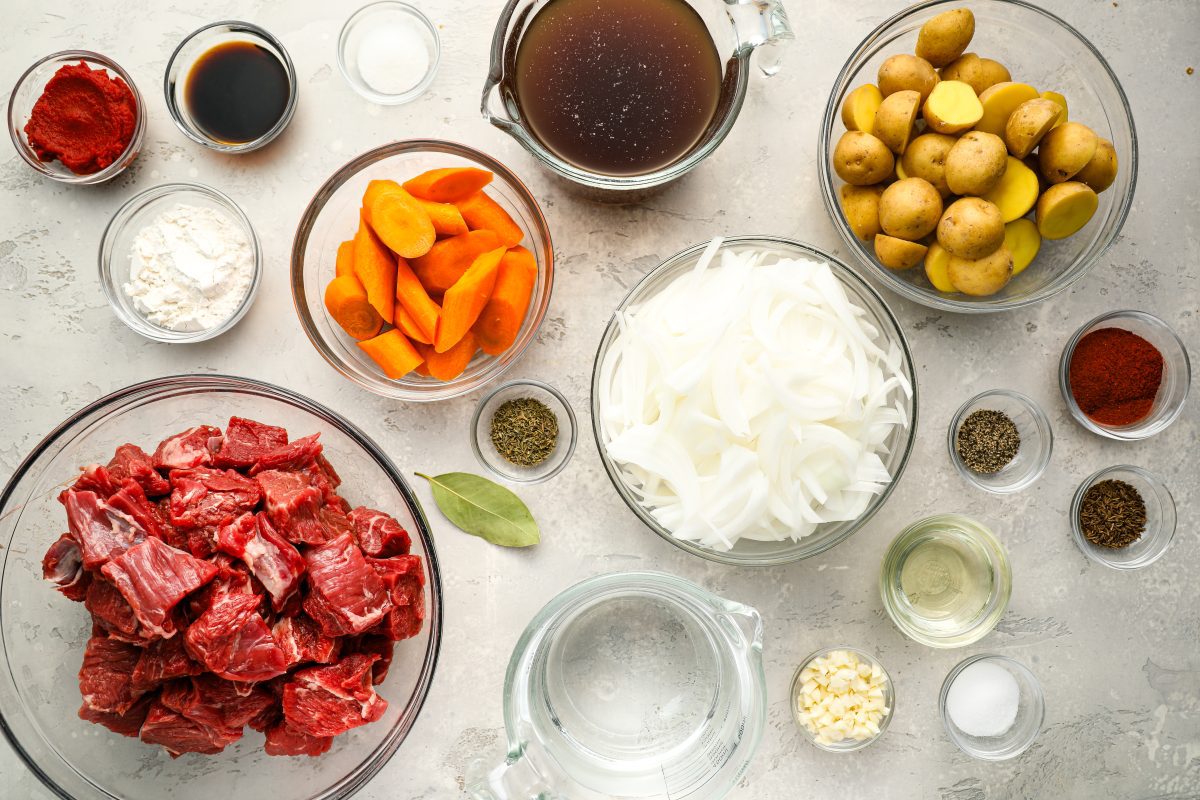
x,y
516,779
761,25
744,625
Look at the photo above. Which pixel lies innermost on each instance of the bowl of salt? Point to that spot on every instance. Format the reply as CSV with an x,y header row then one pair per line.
x,y
992,707
389,52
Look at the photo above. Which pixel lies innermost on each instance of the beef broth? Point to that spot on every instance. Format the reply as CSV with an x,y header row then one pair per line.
x,y
618,87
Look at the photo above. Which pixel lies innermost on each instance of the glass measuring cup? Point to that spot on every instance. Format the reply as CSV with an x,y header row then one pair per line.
x,y
629,686
738,28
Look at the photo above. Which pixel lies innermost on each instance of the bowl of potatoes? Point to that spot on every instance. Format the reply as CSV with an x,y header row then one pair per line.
x,y
979,155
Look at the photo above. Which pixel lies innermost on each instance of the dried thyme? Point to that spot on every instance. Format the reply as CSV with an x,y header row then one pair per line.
x,y
987,441
1112,514
524,431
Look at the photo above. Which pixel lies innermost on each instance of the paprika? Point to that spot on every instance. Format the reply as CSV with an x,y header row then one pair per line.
x,y
1114,376
85,118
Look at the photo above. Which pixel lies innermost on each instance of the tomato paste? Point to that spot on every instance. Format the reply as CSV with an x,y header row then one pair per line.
x,y
84,118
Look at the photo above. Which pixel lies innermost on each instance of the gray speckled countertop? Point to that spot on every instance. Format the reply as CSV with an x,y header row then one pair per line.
x,y
1118,654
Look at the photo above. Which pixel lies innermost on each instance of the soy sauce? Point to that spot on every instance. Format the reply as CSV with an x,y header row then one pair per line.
x,y
236,92
618,87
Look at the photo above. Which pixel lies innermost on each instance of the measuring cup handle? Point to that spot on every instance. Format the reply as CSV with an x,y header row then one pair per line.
x,y
761,25
516,779
745,625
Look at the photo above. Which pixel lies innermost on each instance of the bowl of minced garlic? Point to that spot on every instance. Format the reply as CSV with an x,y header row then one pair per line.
x,y
842,699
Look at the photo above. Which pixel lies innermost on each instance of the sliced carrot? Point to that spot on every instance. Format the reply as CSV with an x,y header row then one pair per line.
x,y
446,218
401,223
409,327
345,259
446,261
393,352
449,365
346,300
374,190
498,324
465,300
483,213
416,302
422,368
449,184
375,266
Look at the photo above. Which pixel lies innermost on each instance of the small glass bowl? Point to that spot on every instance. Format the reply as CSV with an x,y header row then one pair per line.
x,y
944,633
1031,713
481,426
1160,520
1037,441
846,745
366,19
196,45
29,89
1176,379
139,211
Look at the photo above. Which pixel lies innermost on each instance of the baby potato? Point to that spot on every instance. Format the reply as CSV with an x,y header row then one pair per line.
x,y
976,163
971,228
937,268
1064,208
967,68
1065,150
861,159
903,71
925,158
944,37
1031,120
1101,171
898,254
860,204
999,102
859,107
1017,190
1060,101
982,276
952,107
1022,239
910,209
895,119
991,72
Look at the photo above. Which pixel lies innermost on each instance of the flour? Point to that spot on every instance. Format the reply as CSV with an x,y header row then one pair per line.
x,y
190,268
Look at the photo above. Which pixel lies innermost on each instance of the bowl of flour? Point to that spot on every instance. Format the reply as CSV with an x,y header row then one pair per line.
x,y
180,262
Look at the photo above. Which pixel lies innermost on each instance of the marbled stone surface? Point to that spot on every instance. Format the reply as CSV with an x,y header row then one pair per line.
x,y
1118,654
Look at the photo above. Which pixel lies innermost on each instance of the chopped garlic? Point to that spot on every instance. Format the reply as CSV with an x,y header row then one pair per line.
x,y
841,697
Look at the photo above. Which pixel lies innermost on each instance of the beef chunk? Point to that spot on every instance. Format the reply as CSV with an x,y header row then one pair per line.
x,y
178,734
105,679
378,534
110,609
153,577
191,448
328,701
404,579
203,497
131,501
246,441
373,644
130,463
63,566
276,564
291,457
346,596
161,661
94,478
302,642
293,505
284,740
216,702
127,724
102,532
232,640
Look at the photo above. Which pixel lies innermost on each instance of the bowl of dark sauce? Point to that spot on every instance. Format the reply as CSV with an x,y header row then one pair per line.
x,y
626,94
231,86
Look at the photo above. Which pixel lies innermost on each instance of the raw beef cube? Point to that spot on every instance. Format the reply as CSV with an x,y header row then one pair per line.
x,y
378,534
191,448
335,522
161,661
231,639
201,542
63,566
246,441
127,724
328,472
346,596
95,478
298,455
404,579
284,740
130,462
178,734
328,701
302,642
171,535
216,702
267,718
293,505
105,678
131,501
204,497
102,532
373,644
233,577
271,558
110,609
153,577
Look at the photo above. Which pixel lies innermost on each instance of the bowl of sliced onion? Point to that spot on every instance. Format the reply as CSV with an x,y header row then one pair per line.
x,y
754,401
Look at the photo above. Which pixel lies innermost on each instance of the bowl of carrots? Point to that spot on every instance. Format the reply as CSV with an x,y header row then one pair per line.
x,y
422,269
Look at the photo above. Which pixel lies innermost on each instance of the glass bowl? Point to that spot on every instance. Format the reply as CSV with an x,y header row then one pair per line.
x,y
360,23
29,88
42,633
965,535
1160,520
846,745
1037,441
899,443
117,241
490,458
195,45
1176,379
332,216
1031,713
1043,50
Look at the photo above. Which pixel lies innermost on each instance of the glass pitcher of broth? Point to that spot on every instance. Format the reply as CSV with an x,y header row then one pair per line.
x,y
630,686
627,94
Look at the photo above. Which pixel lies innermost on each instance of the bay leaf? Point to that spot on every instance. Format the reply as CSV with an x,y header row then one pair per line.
x,y
484,508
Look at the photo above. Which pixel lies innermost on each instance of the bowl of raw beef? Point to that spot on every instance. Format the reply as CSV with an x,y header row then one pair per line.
x,y
245,601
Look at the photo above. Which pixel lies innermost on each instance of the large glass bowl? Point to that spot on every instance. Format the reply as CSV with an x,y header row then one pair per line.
x,y
1039,49
332,217
898,445
42,633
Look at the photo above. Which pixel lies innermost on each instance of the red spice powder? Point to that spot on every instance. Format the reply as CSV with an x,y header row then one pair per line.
x,y
84,118
1114,376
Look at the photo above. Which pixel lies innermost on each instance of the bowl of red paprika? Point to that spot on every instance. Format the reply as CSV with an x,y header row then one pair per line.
x,y
1125,375
76,117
